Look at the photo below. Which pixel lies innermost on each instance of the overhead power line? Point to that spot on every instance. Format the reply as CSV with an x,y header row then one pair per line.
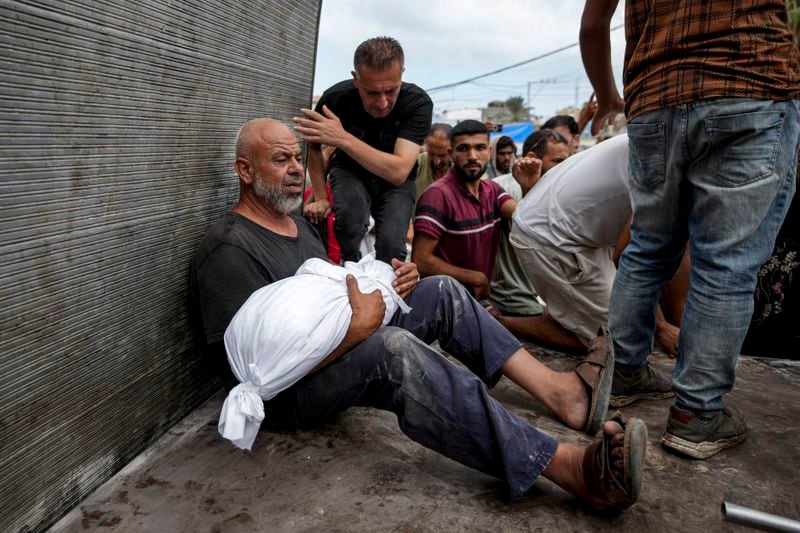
x,y
515,65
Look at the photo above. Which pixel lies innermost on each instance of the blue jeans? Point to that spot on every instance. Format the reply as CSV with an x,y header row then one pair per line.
x,y
438,404
355,197
721,174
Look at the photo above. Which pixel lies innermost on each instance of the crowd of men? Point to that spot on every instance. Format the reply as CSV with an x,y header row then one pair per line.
x,y
653,237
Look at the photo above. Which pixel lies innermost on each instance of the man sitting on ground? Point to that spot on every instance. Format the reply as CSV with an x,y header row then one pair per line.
x,y
438,404
512,293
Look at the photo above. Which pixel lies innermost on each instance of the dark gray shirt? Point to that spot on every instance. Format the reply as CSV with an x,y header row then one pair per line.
x,y
237,257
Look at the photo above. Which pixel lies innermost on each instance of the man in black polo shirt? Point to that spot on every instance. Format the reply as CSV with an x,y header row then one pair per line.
x,y
377,123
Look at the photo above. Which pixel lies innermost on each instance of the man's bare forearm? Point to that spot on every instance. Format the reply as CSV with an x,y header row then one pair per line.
x,y
432,266
316,171
325,128
355,336
367,315
595,43
390,167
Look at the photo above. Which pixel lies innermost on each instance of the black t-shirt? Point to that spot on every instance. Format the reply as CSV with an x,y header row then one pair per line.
x,y
238,257
410,119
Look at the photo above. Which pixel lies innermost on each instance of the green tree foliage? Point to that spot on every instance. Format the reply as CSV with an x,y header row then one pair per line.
x,y
516,106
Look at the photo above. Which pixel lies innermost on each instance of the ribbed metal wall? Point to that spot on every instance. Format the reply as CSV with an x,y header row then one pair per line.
x,y
117,122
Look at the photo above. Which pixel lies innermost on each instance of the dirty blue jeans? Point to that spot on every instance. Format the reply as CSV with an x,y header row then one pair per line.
x,y
720,173
355,197
438,404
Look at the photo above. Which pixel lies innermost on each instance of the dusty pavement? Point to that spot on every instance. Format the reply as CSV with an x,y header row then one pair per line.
x,y
360,473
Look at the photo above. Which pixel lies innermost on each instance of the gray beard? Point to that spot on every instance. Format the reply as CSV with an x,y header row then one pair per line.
x,y
275,198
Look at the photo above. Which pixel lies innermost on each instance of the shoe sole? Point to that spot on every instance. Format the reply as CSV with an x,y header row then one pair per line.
x,y
615,494
636,448
699,450
621,401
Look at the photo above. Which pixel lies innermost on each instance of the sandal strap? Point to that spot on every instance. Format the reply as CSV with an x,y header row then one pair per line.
x,y
587,368
597,469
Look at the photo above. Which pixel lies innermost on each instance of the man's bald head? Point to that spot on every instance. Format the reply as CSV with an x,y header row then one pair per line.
x,y
269,164
261,130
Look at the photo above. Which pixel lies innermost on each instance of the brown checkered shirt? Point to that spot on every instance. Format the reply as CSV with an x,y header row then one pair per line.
x,y
681,51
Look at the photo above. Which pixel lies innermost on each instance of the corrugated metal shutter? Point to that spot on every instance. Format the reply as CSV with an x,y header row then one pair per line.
x,y
117,122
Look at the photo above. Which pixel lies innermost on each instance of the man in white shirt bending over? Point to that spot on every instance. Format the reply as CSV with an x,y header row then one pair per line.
x,y
568,232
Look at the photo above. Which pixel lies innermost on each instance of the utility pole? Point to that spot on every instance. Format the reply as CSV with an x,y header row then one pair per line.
x,y
528,101
576,91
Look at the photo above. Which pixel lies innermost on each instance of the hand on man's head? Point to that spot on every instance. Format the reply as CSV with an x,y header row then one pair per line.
x,y
320,128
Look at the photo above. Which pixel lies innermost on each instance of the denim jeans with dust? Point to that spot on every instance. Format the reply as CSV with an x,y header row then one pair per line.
x,y
721,174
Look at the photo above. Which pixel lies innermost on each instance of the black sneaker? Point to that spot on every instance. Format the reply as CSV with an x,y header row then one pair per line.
x,y
700,439
648,384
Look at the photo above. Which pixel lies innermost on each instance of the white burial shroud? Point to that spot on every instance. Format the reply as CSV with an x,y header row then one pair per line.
x,y
284,329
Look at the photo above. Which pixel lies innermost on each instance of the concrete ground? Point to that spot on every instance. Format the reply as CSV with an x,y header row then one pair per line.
x,y
360,473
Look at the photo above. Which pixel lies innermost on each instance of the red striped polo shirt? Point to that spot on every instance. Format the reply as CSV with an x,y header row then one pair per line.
x,y
466,226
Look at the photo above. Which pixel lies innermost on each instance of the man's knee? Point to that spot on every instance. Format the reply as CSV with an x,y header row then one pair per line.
x,y
351,225
444,286
405,355
392,247
351,203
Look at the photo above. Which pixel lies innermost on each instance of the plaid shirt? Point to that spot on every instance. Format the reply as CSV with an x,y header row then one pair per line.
x,y
681,51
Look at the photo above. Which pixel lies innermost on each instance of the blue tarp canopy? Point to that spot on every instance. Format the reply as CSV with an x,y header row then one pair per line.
x,y
518,131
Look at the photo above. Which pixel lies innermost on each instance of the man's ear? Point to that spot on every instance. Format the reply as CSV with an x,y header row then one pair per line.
x,y
355,78
244,169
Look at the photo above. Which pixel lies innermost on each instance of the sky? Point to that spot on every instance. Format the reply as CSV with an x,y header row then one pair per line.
x,y
447,41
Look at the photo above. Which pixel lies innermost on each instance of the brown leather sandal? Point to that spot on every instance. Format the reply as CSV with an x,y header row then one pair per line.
x,y
609,493
597,372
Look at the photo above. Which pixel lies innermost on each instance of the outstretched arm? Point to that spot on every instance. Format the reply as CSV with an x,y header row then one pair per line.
x,y
587,112
326,128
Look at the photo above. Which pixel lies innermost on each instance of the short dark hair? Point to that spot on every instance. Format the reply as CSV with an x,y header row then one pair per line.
x,y
440,130
378,53
468,127
504,141
562,120
536,141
